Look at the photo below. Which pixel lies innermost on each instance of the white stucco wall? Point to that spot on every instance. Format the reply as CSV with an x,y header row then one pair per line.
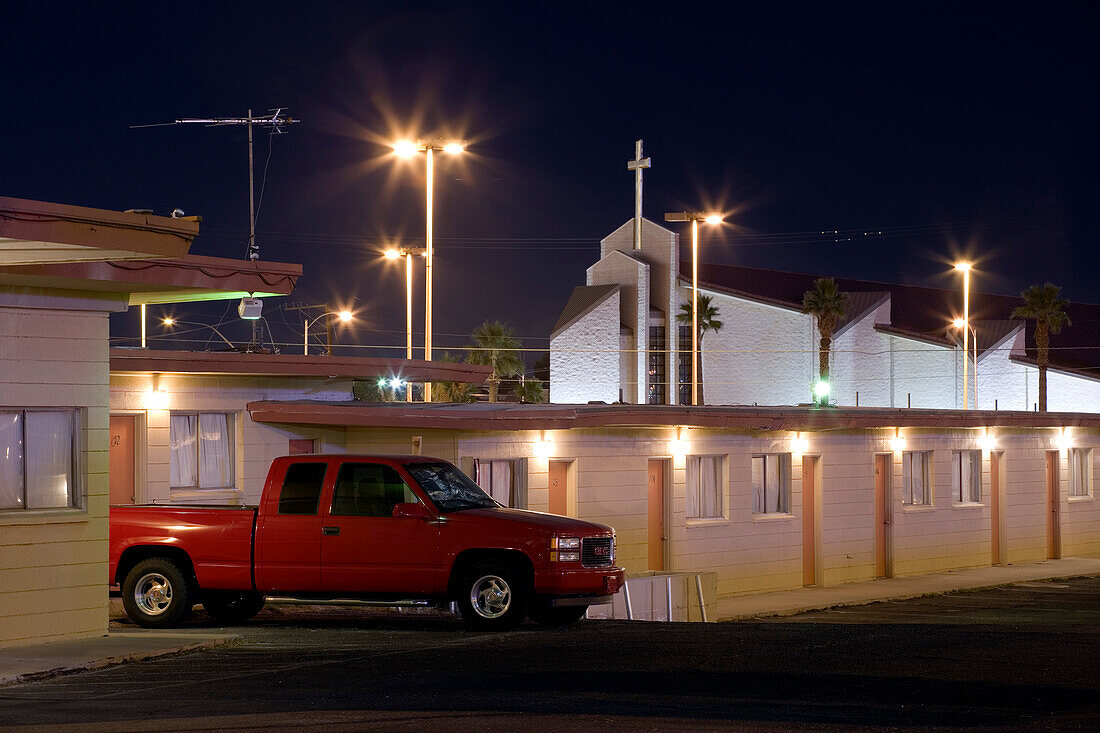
x,y
633,275
584,358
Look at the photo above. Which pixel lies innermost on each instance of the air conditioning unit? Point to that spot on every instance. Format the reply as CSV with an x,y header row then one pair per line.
x,y
250,308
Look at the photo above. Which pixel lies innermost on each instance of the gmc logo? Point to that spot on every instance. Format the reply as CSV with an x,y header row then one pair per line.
x,y
601,551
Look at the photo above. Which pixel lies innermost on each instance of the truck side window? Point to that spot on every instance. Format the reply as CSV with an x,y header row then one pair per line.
x,y
302,488
369,490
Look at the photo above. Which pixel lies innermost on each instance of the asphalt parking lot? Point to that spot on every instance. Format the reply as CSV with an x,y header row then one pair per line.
x,y
1021,657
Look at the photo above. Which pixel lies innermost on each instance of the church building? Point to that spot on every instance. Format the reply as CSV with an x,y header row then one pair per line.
x,y
618,340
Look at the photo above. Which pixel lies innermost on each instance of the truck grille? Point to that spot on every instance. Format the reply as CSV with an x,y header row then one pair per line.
x,y
597,551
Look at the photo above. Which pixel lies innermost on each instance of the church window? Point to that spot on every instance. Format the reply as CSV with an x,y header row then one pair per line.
x,y
657,374
683,371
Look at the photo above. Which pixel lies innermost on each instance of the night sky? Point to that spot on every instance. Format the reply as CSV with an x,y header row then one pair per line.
x,y
951,130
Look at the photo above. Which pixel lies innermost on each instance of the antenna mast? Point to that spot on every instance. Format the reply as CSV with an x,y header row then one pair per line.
x,y
275,120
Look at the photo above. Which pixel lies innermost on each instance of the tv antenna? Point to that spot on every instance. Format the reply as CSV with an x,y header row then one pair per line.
x,y
275,120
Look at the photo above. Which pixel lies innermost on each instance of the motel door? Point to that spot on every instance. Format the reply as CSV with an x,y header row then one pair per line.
x,y
996,506
809,520
657,532
559,488
1054,525
883,494
121,459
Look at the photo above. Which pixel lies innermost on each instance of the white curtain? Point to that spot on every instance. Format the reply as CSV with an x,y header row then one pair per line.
x,y
914,471
214,468
771,483
967,476
182,458
11,460
1079,470
496,478
49,451
704,486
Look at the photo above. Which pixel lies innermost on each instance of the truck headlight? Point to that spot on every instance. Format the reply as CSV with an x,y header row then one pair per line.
x,y
571,556
565,543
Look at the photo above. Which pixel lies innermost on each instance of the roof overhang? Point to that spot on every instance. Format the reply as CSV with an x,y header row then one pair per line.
x,y
234,363
36,232
188,279
504,416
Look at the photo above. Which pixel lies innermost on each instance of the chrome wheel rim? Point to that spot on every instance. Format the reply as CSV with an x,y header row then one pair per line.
x,y
153,594
491,596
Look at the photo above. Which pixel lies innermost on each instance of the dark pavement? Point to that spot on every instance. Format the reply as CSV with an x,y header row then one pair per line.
x,y
1023,657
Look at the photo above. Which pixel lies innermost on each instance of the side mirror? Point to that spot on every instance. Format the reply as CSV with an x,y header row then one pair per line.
x,y
411,510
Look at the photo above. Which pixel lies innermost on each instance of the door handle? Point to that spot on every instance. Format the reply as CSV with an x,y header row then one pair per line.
x,y
330,530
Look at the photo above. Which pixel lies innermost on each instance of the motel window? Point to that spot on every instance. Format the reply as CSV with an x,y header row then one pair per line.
x,y
771,483
916,471
503,479
705,487
38,456
966,476
201,450
1080,468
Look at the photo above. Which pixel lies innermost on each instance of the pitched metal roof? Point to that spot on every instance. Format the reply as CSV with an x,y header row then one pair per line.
x,y
919,312
581,302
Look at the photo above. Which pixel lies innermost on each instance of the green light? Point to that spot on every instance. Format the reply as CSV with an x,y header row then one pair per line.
x,y
821,391
382,382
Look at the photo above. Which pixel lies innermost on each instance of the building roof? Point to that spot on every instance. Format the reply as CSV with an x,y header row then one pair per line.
x,y
510,416
918,312
187,279
145,361
582,301
35,232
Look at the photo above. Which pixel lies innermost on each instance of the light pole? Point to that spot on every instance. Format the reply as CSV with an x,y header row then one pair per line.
x,y
964,268
407,253
406,149
962,324
345,317
694,218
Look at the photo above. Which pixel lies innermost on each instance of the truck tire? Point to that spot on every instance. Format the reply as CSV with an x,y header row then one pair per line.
x,y
544,614
232,607
156,594
493,597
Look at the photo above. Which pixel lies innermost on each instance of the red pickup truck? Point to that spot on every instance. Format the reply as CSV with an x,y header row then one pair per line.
x,y
391,530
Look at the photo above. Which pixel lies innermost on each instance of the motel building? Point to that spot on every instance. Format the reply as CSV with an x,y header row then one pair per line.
x,y
751,499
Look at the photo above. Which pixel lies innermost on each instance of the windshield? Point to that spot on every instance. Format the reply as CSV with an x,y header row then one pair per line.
x,y
449,489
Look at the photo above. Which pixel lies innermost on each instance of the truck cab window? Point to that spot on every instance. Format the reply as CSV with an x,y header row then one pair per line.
x,y
369,490
302,488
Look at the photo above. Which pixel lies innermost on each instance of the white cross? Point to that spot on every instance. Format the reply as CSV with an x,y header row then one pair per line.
x,y
637,165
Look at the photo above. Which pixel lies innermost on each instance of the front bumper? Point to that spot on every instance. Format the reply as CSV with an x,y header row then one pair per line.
x,y
580,582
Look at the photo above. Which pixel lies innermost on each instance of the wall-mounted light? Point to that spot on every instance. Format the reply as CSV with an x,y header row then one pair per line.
x,y
897,443
156,399
544,446
987,442
799,444
678,446
1062,441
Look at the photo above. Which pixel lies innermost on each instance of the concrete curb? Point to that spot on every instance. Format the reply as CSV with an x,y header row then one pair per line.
x,y
87,655
783,609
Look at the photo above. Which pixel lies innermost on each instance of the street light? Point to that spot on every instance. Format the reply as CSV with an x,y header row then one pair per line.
x,y
962,324
407,253
406,149
964,268
694,218
169,322
345,317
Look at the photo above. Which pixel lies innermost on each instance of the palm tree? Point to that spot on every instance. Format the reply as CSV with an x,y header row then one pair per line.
x,y
826,304
1042,305
495,345
529,391
452,391
708,321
